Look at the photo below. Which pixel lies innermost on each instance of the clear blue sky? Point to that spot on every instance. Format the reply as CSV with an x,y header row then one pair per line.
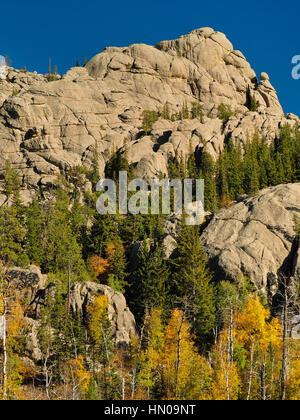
x,y
266,31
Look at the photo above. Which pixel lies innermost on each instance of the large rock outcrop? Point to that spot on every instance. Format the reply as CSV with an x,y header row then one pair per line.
x,y
47,127
256,238
32,288
123,326
26,283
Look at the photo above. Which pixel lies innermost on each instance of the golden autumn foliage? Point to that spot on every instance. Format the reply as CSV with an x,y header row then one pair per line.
x,y
227,382
15,320
226,201
293,382
247,358
219,389
98,314
99,265
110,250
80,376
164,362
254,329
150,357
14,330
1,306
186,373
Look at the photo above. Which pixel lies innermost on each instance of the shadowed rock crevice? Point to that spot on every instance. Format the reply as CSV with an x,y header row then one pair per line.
x,y
288,276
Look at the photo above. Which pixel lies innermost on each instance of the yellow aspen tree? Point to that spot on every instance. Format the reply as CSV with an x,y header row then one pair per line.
x,y
133,354
102,345
150,356
110,250
3,312
293,382
79,376
122,368
99,266
15,322
227,382
99,323
14,331
186,374
257,335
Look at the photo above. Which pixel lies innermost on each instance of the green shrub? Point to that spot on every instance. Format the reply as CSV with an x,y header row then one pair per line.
x,y
224,113
149,117
254,105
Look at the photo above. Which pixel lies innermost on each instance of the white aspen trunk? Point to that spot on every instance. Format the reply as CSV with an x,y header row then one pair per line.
x,y
46,376
123,389
133,383
250,370
284,346
4,354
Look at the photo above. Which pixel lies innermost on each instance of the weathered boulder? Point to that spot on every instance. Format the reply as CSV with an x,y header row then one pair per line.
x,y
26,282
123,326
32,345
32,288
170,226
255,238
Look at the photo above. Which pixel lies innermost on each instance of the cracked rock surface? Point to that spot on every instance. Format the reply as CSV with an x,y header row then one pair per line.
x,y
255,237
32,292
47,127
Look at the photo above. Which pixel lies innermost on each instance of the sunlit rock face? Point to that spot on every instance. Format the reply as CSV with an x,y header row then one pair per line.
x,y
48,127
255,238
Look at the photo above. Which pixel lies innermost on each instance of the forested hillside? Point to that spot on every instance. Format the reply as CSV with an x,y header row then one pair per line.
x,y
145,307
196,339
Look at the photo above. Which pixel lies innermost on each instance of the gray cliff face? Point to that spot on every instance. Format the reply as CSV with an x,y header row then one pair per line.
x,y
256,238
47,127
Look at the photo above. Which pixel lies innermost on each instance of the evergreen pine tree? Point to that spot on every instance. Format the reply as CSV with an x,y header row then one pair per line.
x,y
280,175
284,146
148,281
192,282
35,224
12,234
11,184
254,179
62,251
207,171
265,164
234,169
222,181
117,267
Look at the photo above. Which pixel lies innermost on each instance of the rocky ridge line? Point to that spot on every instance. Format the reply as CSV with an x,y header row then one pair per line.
x,y
48,127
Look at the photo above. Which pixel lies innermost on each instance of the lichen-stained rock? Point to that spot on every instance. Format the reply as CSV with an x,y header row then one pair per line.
x,y
123,326
47,127
255,237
